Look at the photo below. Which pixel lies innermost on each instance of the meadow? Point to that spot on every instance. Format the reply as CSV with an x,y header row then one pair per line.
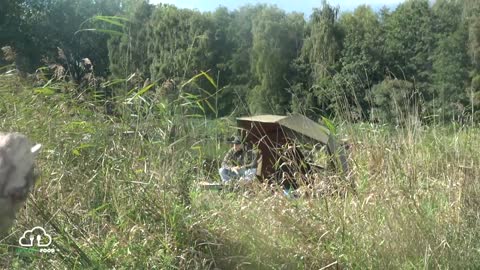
x,y
120,192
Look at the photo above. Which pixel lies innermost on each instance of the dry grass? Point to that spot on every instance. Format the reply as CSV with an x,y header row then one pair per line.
x,y
116,201
415,208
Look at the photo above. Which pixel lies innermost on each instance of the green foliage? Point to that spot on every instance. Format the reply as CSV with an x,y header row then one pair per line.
x,y
323,46
396,101
275,44
112,199
362,59
450,63
474,41
409,41
42,26
128,53
180,43
313,89
450,78
303,101
264,60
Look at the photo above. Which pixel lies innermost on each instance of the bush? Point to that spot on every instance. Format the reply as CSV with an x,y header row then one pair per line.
x,y
395,101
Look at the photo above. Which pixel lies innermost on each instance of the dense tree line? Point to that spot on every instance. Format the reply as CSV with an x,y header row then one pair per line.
x,y
37,28
420,60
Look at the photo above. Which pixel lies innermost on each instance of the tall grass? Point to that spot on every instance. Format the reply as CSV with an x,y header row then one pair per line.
x,y
123,200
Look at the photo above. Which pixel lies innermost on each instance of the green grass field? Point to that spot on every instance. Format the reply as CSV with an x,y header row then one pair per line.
x,y
113,200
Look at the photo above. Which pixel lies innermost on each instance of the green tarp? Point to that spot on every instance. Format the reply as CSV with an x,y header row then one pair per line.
x,y
269,126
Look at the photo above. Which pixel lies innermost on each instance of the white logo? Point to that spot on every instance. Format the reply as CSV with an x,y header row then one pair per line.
x,y
36,237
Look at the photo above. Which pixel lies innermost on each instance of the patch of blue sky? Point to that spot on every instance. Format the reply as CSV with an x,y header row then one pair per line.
x,y
304,6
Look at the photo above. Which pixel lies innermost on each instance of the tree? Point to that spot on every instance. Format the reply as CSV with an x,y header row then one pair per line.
x,y
362,57
275,45
449,61
395,101
318,62
36,28
179,43
409,41
323,46
128,53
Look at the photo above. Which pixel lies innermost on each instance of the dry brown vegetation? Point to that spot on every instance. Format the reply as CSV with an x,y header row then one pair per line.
x,y
125,202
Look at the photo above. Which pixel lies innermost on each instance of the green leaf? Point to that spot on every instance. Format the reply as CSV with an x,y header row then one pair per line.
x,y
100,208
199,105
329,124
111,20
112,82
192,79
209,78
210,106
114,20
79,126
46,91
48,83
145,89
76,150
105,31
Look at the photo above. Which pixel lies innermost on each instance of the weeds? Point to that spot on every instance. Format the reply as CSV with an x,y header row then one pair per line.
x,y
114,199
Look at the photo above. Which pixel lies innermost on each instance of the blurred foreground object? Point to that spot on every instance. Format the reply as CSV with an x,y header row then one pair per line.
x,y
16,175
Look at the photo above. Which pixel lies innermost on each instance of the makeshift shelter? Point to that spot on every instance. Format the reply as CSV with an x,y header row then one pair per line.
x,y
271,132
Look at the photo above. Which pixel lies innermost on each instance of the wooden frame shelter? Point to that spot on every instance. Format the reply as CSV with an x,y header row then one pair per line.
x,y
270,132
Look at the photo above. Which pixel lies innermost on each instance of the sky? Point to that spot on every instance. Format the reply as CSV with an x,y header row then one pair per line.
x,y
304,6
